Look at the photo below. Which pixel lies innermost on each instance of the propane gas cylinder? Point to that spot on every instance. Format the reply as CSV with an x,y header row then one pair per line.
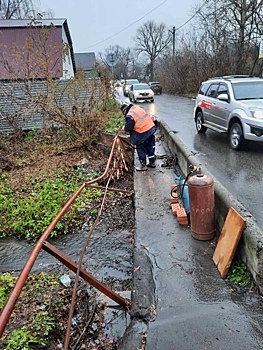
x,y
202,206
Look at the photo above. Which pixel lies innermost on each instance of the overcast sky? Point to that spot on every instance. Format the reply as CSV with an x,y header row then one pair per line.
x,y
97,24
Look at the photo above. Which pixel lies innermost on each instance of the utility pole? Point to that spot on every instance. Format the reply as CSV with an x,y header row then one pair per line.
x,y
173,32
112,61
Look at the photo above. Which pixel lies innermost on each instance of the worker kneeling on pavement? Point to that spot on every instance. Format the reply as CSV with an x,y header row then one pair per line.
x,y
142,128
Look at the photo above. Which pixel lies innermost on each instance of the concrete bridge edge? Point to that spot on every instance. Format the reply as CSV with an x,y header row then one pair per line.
x,y
251,243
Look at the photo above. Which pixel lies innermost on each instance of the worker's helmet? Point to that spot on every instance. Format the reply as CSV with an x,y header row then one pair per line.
x,y
125,105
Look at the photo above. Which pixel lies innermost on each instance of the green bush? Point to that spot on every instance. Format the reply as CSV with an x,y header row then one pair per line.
x,y
7,283
30,211
21,339
115,123
239,274
35,332
27,212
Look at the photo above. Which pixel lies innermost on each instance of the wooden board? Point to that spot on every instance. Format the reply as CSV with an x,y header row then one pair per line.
x,y
228,241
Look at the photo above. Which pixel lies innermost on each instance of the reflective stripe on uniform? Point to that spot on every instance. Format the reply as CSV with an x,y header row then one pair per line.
x,y
143,121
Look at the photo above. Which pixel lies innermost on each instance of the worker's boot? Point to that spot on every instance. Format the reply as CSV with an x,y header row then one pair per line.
x,y
151,163
142,166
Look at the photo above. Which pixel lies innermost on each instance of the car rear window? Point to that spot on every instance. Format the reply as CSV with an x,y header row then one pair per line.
x,y
131,82
141,87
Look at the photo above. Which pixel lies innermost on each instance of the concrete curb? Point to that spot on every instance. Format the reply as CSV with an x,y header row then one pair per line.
x,y
143,282
142,306
251,243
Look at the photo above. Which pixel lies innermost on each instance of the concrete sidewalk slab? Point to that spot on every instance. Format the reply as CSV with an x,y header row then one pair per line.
x,y
179,300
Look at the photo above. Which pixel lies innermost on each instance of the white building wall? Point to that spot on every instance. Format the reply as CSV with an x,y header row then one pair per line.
x,y
68,71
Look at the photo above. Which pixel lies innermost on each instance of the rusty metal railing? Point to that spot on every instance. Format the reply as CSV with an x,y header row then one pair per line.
x,y
120,163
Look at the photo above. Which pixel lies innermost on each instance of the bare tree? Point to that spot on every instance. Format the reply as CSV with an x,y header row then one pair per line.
x,y
20,9
17,9
152,39
125,61
236,24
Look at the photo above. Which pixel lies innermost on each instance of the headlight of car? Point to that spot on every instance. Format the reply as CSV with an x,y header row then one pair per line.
x,y
257,113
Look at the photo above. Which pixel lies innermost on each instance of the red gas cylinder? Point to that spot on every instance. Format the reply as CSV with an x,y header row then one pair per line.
x,y
202,206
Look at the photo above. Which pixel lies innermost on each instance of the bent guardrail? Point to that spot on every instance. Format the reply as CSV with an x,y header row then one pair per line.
x,y
118,162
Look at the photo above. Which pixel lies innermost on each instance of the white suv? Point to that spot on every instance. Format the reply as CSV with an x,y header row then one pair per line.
x,y
233,105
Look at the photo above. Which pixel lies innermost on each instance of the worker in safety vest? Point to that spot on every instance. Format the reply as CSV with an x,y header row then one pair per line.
x,y
141,127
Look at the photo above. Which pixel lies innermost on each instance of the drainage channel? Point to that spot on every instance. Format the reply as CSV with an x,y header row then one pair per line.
x,y
119,162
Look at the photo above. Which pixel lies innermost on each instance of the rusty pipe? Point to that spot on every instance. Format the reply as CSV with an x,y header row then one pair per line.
x,y
8,308
14,295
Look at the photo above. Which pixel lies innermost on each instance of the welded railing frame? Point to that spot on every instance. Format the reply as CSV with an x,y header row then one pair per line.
x,y
14,295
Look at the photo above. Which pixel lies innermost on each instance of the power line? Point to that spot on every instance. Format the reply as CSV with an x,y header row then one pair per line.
x,y
174,29
122,30
196,12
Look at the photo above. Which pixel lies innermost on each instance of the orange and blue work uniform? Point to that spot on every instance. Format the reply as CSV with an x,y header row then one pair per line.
x,y
141,127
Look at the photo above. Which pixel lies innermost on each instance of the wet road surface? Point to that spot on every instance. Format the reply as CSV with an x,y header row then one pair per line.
x,y
239,172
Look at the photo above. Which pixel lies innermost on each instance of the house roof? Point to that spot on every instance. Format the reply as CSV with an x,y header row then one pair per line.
x,y
85,60
57,22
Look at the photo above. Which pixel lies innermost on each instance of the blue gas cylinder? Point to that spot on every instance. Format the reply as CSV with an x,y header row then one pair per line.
x,y
183,190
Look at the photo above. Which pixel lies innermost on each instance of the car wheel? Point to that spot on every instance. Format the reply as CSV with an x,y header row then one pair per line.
x,y
152,100
236,137
199,122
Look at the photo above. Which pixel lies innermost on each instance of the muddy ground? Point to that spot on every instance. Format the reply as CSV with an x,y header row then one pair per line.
x,y
110,248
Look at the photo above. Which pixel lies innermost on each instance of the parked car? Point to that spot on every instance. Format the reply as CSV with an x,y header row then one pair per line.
x,y
127,85
141,92
156,87
232,105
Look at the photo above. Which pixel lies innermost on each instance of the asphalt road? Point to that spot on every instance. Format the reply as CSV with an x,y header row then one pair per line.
x,y
239,172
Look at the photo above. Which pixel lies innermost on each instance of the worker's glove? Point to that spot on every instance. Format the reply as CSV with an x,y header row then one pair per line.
x,y
155,121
